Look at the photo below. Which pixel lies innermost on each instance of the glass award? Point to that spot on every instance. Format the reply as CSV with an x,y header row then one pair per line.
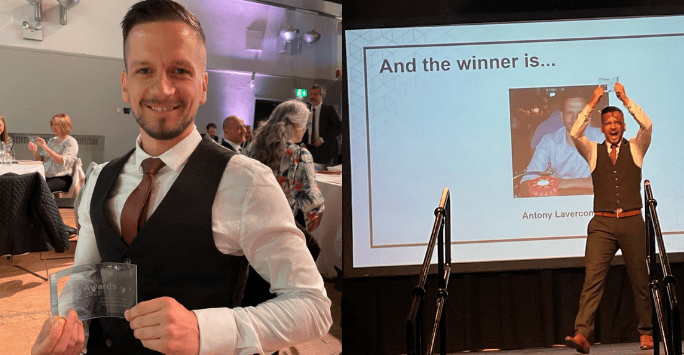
x,y
94,291
608,83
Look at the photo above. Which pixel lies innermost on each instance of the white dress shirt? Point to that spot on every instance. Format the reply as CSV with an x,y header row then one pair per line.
x,y
554,152
250,217
315,115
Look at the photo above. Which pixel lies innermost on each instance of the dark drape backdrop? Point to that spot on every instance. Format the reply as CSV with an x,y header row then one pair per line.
x,y
501,310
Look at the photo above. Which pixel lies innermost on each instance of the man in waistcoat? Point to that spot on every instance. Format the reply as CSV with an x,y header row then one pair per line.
x,y
617,223
210,211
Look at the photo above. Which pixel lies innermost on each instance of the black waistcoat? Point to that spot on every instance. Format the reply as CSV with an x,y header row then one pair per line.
x,y
616,186
174,250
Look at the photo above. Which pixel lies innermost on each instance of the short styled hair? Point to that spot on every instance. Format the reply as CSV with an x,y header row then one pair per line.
x,y
63,121
159,11
571,93
211,125
320,87
609,109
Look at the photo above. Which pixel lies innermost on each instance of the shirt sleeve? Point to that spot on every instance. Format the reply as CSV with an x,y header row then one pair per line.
x,y
276,249
643,137
541,159
308,197
86,249
69,152
585,147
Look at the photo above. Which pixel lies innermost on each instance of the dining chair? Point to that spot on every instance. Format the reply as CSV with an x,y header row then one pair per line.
x,y
78,178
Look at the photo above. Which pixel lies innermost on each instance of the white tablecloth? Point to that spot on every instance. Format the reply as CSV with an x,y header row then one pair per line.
x,y
23,167
329,232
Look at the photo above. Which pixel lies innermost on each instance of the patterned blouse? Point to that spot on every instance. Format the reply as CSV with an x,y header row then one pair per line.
x,y
68,149
297,178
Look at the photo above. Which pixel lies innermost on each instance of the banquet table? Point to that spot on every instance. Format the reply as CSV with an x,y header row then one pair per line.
x,y
23,167
329,232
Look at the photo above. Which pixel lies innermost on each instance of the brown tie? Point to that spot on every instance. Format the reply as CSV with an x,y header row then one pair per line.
x,y
134,212
613,153
314,137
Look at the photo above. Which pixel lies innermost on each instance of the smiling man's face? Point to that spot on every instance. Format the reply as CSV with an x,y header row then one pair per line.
x,y
165,81
613,126
573,107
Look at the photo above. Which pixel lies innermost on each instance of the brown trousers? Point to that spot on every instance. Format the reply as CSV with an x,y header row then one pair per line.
x,y
605,236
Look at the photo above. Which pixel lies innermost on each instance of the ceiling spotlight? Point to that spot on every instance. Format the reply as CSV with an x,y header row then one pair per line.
x,y
311,36
38,9
65,5
289,34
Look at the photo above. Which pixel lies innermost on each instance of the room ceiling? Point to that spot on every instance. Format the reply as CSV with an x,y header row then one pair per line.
x,y
226,23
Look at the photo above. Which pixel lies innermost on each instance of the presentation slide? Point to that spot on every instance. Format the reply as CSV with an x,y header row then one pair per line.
x,y
483,110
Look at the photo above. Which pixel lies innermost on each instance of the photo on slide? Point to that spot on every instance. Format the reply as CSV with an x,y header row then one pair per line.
x,y
545,161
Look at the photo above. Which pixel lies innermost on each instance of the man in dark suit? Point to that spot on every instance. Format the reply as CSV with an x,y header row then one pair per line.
x,y
234,133
323,128
211,131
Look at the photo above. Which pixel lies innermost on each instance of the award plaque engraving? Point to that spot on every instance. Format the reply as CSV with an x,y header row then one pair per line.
x,y
94,291
608,83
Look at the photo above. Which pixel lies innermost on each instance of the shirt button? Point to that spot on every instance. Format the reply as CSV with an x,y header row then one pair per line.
x,y
108,343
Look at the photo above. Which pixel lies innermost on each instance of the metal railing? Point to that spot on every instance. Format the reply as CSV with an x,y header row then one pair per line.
x,y
441,235
666,315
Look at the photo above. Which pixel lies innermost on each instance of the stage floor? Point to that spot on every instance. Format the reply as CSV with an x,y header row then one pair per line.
x,y
596,349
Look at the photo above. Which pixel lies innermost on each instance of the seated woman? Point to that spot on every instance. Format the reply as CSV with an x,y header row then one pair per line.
x,y
58,154
4,136
274,144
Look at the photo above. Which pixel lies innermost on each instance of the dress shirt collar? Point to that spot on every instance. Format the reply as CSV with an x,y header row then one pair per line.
x,y
174,158
617,146
318,107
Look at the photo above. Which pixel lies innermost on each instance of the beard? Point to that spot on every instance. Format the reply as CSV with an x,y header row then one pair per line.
x,y
156,128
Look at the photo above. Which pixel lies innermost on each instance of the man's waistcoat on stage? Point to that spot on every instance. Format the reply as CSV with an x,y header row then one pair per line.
x,y
616,186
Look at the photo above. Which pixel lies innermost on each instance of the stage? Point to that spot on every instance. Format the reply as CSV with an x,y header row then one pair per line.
x,y
596,349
